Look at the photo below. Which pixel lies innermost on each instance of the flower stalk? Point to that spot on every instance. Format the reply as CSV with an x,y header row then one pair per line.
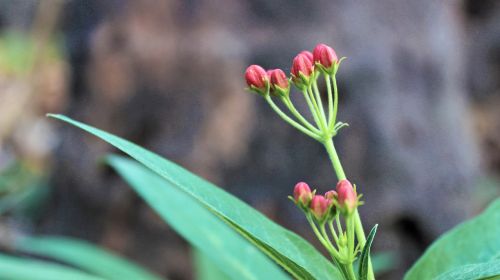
x,y
344,244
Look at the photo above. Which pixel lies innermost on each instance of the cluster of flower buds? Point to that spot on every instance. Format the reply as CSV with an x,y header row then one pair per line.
x,y
335,211
323,58
325,207
263,82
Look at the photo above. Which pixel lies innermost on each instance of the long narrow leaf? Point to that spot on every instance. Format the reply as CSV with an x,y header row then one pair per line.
x,y
292,252
14,268
85,256
232,254
365,255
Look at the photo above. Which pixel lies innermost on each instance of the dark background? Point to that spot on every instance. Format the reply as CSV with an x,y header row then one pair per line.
x,y
420,89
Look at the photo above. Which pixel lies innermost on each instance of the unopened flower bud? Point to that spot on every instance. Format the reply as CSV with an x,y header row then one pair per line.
x,y
347,197
320,207
257,79
279,82
302,69
302,194
332,195
325,58
309,55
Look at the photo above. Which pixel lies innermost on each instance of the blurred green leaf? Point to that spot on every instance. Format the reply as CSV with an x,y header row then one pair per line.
x,y
83,255
232,254
474,242
488,270
18,52
15,268
22,190
206,269
289,250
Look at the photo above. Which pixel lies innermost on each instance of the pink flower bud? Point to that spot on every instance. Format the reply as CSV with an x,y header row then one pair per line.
x,y
302,63
332,195
309,55
325,56
347,197
279,82
279,79
256,78
302,194
319,207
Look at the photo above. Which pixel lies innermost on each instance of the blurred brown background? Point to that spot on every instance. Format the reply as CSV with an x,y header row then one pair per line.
x,y
420,89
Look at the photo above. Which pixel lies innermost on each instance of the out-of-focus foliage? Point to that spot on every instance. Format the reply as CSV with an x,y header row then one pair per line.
x,y
22,189
82,255
475,242
18,53
289,250
16,268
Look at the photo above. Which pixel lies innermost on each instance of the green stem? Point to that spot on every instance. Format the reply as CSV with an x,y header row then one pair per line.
x,y
334,255
325,234
350,271
334,233
330,99
334,158
335,102
339,225
311,108
337,166
319,101
288,102
350,238
290,121
321,118
322,239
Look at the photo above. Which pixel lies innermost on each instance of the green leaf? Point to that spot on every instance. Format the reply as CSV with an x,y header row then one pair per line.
x,y
289,250
14,268
206,269
83,255
232,254
486,270
365,255
473,242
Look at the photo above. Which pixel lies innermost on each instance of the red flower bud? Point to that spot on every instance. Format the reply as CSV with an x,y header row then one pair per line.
x,y
347,197
319,207
256,78
309,55
278,78
302,194
302,64
325,56
279,82
332,195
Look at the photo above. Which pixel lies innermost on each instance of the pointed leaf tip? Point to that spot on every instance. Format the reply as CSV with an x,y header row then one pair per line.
x,y
365,255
